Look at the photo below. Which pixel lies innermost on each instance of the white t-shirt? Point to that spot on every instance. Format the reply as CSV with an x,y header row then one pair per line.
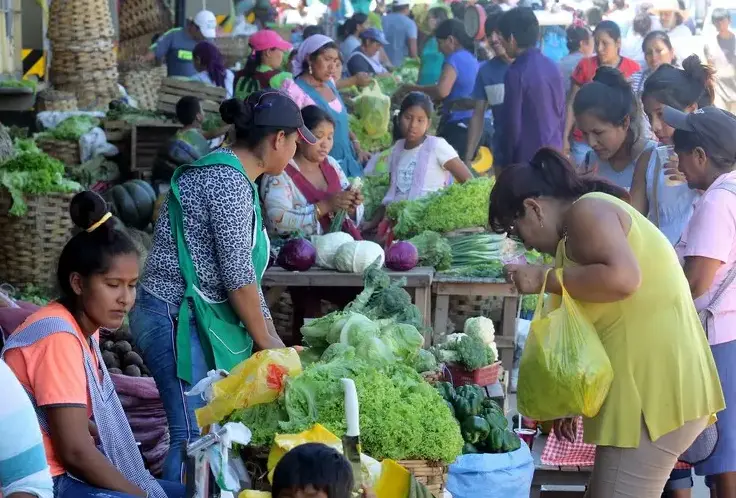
x,y
204,77
436,177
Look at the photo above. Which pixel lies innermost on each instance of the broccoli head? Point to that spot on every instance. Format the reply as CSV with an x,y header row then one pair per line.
x,y
472,352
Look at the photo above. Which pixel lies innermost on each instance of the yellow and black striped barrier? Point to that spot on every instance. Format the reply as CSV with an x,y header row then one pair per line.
x,y
34,62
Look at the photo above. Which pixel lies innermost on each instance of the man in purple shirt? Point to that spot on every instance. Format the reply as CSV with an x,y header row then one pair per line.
x,y
533,109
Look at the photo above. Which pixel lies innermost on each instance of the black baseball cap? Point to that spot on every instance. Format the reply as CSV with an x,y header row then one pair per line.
x,y
714,128
276,109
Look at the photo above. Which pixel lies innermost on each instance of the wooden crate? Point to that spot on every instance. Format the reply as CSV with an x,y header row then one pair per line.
x,y
146,140
173,89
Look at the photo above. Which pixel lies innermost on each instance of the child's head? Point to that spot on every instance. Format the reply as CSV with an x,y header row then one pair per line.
x,y
337,73
312,470
322,127
189,111
415,117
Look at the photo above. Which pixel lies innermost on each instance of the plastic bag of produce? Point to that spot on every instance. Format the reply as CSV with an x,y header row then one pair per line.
x,y
259,379
373,108
564,370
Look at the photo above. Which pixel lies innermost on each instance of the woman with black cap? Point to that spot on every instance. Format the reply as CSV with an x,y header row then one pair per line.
x,y
706,150
200,304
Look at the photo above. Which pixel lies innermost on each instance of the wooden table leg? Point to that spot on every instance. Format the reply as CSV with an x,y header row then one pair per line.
x,y
441,316
423,301
508,329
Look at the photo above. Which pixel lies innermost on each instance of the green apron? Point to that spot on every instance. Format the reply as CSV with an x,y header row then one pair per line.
x,y
224,339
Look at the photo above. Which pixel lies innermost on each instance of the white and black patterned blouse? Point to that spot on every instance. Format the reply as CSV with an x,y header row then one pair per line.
x,y
217,204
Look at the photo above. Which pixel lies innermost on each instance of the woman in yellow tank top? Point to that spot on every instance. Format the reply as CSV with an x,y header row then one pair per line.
x,y
627,279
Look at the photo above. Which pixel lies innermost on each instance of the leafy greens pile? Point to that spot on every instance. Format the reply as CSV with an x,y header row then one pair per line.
x,y
434,250
369,143
461,205
33,172
374,190
72,128
375,341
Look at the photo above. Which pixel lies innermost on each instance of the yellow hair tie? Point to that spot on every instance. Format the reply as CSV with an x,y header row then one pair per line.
x,y
100,223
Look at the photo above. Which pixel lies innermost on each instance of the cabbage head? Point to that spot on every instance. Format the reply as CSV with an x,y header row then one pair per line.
x,y
338,350
358,329
315,331
357,256
404,340
425,362
327,245
375,352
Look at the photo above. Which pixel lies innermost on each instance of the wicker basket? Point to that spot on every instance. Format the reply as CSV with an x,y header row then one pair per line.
x,y
282,314
143,83
134,48
79,21
432,474
65,61
32,243
234,49
66,151
82,45
54,100
144,17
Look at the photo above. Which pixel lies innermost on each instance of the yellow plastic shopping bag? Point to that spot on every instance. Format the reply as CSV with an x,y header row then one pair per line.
x,y
564,369
259,379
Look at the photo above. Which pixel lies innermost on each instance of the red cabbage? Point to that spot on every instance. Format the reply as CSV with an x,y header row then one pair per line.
x,y
297,255
402,256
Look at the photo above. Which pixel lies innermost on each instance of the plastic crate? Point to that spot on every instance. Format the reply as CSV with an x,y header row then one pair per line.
x,y
483,376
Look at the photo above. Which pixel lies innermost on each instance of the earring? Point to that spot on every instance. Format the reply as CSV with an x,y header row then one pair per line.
x,y
541,225
310,70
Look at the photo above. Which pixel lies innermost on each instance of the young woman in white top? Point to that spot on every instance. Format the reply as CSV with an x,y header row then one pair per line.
x,y
418,163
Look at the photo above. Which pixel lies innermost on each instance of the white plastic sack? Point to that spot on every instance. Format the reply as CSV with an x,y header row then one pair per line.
x,y
507,475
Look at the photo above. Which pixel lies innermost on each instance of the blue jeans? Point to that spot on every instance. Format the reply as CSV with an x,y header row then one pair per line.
x,y
68,487
153,325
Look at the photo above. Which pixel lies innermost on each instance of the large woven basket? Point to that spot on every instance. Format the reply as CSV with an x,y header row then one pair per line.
x,y
143,83
432,474
143,17
31,244
82,46
54,100
134,48
66,151
79,21
234,49
282,314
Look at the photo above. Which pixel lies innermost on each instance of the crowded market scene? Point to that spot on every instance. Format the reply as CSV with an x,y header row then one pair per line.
x,y
243,239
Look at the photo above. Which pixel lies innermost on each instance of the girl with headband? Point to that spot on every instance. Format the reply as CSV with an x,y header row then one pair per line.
x,y
55,354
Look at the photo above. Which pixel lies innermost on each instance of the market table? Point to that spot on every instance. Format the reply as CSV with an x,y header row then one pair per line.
x,y
419,279
554,475
445,286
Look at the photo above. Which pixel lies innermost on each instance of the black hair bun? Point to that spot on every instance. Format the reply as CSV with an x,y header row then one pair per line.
x,y
695,69
87,208
610,76
234,111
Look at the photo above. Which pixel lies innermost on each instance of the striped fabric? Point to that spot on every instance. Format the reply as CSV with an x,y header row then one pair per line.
x,y
23,466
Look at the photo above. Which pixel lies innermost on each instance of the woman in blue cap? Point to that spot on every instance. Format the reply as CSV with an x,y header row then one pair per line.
x,y
363,60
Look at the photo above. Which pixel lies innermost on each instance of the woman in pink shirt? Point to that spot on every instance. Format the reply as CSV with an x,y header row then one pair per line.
x,y
706,148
